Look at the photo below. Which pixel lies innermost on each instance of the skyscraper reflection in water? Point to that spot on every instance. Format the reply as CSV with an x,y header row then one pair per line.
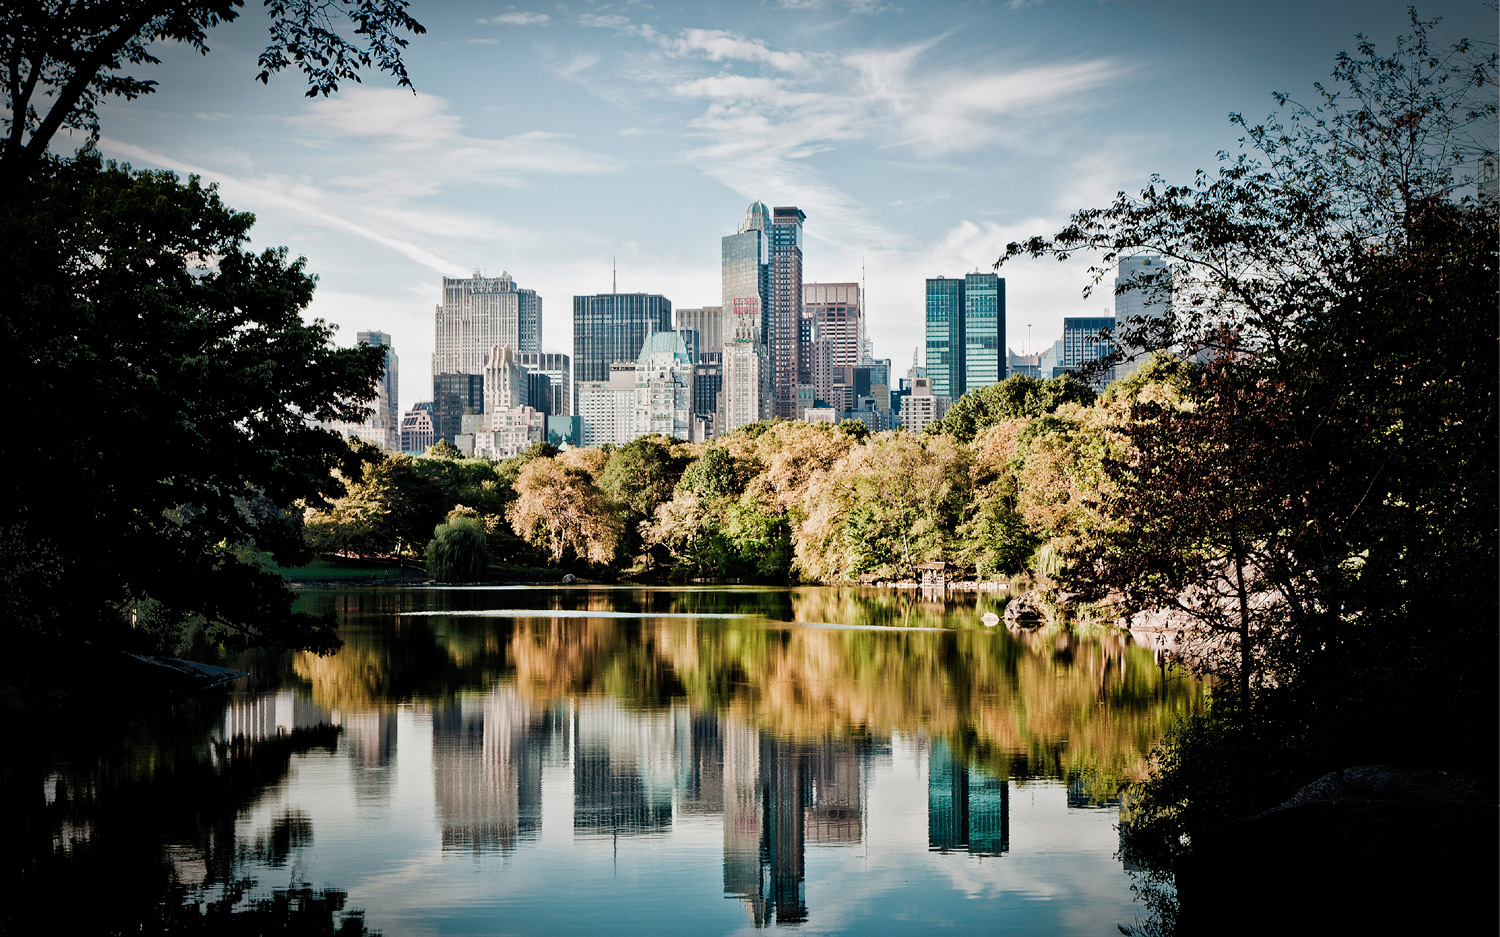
x,y
967,810
622,769
780,795
487,769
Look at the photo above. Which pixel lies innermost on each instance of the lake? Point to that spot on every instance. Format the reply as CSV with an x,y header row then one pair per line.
x,y
584,760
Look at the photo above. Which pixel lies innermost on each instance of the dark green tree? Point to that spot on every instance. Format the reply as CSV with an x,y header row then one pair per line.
x,y
171,374
457,551
639,476
63,57
443,449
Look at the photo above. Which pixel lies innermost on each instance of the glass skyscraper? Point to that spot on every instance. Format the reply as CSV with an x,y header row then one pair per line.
x,y
612,327
945,336
744,395
965,333
1081,343
387,405
746,273
984,361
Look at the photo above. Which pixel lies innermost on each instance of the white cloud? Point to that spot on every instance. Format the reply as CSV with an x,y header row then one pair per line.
x,y
415,147
603,20
616,22
733,87
296,197
718,45
518,18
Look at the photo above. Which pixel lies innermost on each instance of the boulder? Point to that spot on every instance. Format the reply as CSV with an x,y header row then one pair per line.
x,y
1026,610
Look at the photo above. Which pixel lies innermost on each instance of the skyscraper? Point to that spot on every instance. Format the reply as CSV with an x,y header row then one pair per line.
x,y
478,313
454,395
709,324
745,394
1150,281
1082,343
784,317
945,336
965,333
612,327
386,418
984,359
745,271
834,312
558,369
745,258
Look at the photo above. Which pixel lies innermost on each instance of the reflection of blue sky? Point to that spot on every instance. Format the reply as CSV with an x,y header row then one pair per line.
x,y
1059,876
548,138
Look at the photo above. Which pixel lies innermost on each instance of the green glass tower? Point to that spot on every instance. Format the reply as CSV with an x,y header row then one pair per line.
x,y
945,336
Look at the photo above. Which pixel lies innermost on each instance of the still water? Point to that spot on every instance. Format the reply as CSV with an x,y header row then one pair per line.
x,y
596,760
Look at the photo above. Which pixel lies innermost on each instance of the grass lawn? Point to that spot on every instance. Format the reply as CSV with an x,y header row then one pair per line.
x,y
327,568
345,569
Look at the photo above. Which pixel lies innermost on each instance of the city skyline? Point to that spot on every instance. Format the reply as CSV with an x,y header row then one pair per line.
x,y
545,141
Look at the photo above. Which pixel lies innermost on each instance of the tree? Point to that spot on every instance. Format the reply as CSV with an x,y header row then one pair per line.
x,y
72,53
560,509
1020,395
390,509
184,373
1284,461
1318,491
642,474
1281,233
883,508
443,449
457,551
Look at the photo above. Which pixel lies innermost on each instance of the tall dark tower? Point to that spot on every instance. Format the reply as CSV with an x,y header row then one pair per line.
x,y
784,321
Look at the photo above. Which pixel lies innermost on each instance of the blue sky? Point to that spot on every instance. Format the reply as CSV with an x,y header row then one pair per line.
x,y
544,139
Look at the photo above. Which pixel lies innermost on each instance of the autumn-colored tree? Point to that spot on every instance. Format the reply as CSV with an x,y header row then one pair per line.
x,y
560,509
1017,396
884,508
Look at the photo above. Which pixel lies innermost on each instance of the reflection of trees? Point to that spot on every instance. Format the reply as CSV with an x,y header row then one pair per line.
x,y
1061,708
1050,705
403,659
138,834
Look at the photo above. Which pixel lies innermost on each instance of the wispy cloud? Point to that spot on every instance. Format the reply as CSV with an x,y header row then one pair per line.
x,y
296,197
717,45
517,18
758,132
413,146
866,7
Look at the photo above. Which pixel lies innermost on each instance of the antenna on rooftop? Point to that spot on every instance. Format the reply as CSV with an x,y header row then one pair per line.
x,y
614,275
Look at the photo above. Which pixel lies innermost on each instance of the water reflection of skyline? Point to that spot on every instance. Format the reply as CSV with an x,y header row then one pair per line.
x,y
780,775
636,772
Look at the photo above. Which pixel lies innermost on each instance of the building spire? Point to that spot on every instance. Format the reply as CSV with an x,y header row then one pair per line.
x,y
614,275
